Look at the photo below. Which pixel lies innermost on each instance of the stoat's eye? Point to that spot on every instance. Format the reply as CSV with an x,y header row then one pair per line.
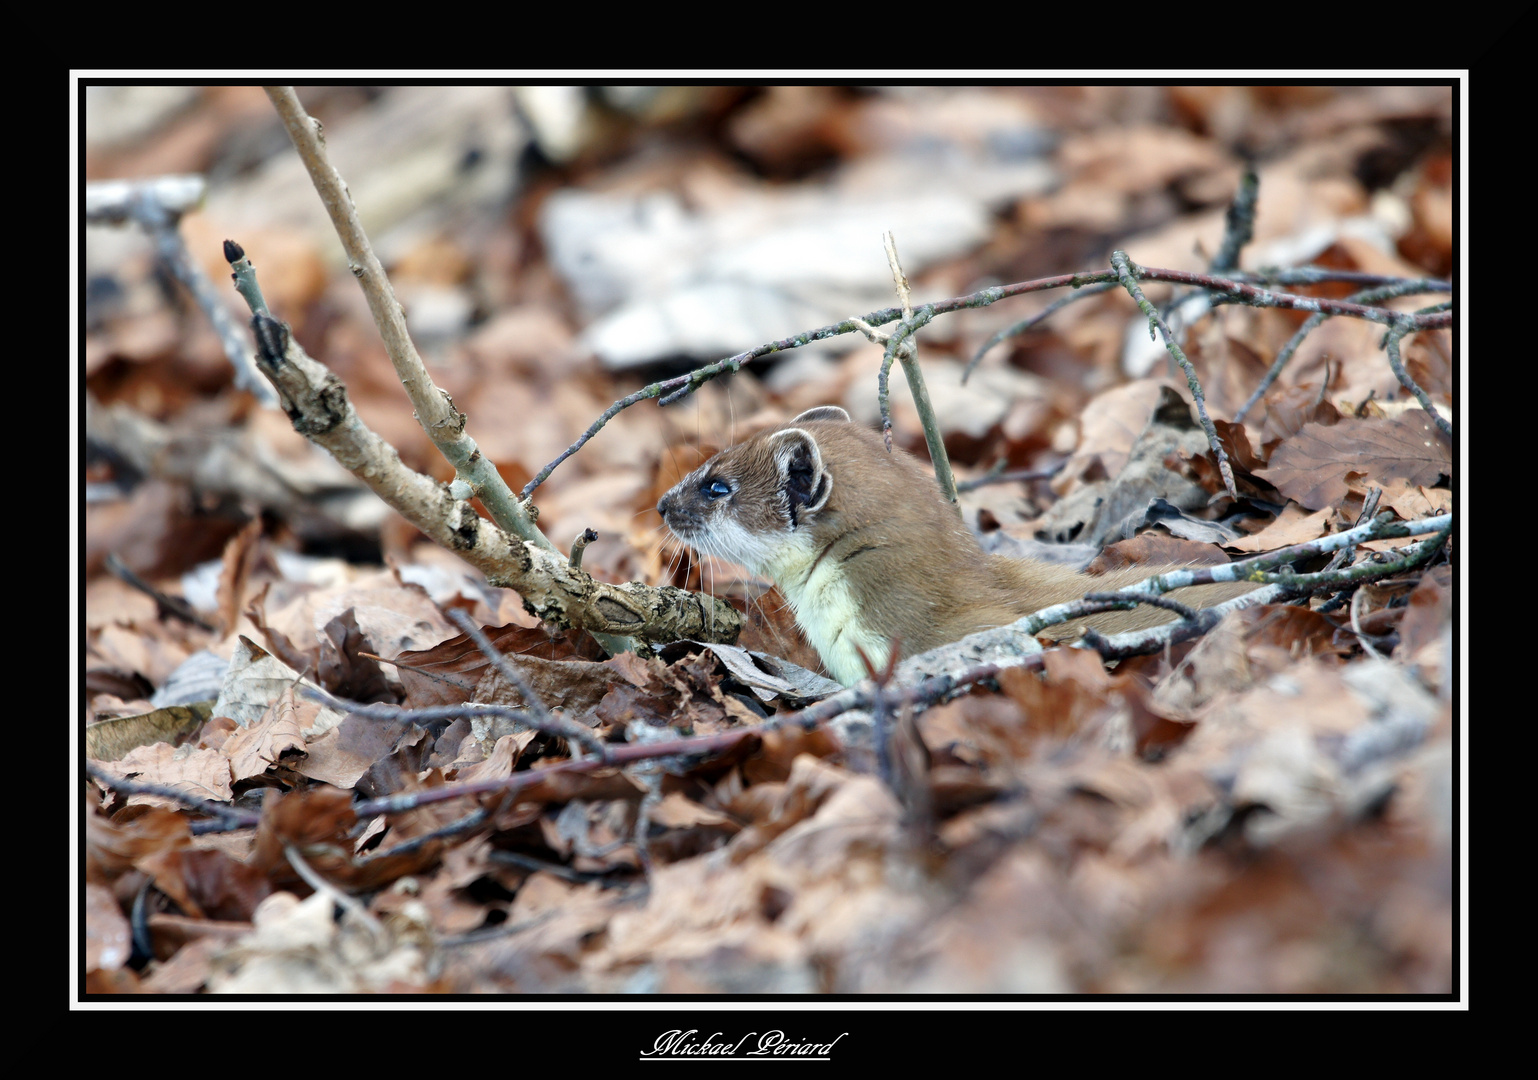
x,y
715,489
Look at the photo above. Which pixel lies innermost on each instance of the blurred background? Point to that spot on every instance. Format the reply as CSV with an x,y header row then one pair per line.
x,y
557,247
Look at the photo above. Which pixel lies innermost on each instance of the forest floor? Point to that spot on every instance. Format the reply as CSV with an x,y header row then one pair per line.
x,y
1272,808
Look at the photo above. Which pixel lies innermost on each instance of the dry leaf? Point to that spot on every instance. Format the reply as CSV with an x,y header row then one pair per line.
x,y
109,740
1311,466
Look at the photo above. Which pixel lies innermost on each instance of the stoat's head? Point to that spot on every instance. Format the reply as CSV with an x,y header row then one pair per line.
x,y
758,501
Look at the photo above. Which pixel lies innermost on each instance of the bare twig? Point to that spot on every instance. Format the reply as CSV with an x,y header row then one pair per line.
x,y
675,389
907,352
1124,268
1189,614
157,207
1186,306
1025,324
544,719
1356,626
1366,296
1396,363
469,823
618,615
173,606
560,870
579,545
997,475
1238,223
1318,275
1241,293
901,346
1347,556
1235,289
444,424
240,819
696,746
244,274
337,896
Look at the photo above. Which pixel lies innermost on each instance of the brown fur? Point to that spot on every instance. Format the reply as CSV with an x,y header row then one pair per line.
x,y
820,506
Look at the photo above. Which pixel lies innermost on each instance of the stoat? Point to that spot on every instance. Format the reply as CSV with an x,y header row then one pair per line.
x,y
866,549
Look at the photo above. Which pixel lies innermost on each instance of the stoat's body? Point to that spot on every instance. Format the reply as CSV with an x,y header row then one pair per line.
x,y
866,549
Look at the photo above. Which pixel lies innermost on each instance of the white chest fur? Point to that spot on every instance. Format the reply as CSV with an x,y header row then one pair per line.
x,y
826,609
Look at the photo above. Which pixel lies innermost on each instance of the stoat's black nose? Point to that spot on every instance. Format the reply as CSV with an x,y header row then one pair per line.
x,y
662,506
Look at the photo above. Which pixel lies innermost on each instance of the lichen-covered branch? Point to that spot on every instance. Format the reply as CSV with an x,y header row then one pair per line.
x,y
435,411
1125,271
1396,364
552,589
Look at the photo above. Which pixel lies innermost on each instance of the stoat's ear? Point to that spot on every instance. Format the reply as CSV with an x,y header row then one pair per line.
x,y
803,478
823,412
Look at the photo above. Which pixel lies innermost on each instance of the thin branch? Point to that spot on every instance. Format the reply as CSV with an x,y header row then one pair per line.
x,y
157,207
695,746
1318,275
579,545
1238,223
881,718
1124,267
555,869
244,274
1366,296
1259,568
435,411
1239,292
668,391
240,819
544,719
173,606
317,404
1184,307
1236,288
1126,603
309,876
1396,363
1356,626
1025,324
469,823
908,353
997,475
